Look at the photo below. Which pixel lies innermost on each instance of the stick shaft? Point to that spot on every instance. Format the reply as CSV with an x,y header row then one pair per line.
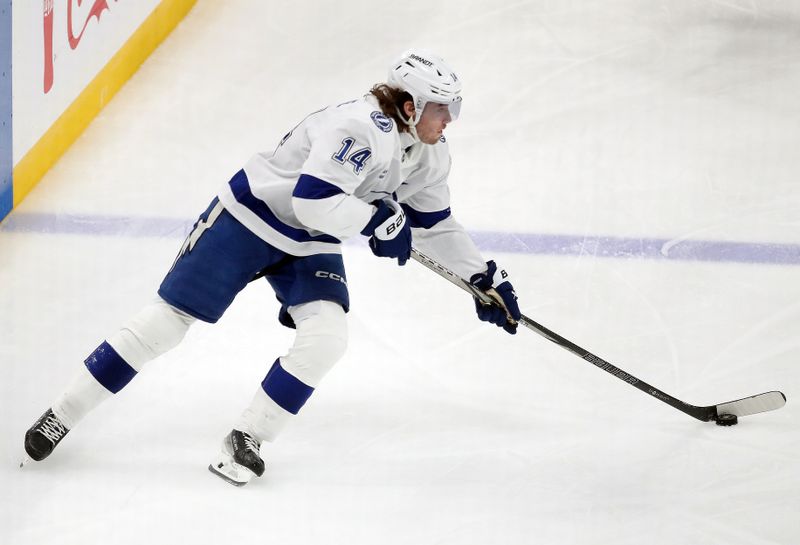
x,y
701,413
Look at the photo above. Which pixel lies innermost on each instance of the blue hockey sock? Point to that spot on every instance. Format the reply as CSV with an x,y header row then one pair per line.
x,y
108,367
285,389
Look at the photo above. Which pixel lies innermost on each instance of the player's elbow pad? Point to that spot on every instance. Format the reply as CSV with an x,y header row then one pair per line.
x,y
310,212
341,216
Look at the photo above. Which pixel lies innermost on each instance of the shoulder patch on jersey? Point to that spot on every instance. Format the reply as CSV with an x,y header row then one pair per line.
x,y
381,121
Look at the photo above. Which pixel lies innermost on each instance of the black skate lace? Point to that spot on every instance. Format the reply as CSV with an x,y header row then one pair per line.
x,y
53,429
251,443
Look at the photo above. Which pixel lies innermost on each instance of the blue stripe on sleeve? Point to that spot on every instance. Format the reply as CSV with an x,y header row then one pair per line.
x,y
240,187
285,389
310,187
425,220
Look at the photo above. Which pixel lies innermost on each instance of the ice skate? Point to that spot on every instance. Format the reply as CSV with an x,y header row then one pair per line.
x,y
240,459
43,436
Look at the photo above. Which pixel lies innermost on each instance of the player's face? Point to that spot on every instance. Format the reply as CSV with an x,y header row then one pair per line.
x,y
434,120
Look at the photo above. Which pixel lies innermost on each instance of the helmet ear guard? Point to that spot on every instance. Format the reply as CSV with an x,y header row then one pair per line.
x,y
427,78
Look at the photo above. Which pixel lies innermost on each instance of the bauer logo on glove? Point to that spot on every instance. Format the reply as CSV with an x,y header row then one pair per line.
x,y
388,231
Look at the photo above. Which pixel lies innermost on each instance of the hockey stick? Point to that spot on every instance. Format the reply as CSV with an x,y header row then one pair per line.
x,y
768,401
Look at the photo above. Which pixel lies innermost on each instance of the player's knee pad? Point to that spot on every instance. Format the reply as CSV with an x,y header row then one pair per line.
x,y
156,329
320,342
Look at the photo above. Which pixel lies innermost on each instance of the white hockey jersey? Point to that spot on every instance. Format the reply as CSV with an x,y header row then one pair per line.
x,y
315,189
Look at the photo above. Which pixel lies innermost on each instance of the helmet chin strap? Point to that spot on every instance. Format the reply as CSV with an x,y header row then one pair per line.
x,y
411,122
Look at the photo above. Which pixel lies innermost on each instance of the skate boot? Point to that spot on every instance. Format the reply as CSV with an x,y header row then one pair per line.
x,y
44,435
240,459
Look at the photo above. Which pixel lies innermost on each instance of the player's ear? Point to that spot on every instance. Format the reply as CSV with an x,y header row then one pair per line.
x,y
408,109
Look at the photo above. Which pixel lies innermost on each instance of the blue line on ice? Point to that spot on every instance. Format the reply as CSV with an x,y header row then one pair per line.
x,y
521,243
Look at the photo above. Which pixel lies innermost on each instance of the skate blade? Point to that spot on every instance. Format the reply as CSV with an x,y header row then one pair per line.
x,y
226,469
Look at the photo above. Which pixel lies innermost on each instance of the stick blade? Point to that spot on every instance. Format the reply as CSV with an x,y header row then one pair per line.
x,y
768,401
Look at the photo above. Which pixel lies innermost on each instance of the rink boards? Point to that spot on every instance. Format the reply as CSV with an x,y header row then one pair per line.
x,y
69,59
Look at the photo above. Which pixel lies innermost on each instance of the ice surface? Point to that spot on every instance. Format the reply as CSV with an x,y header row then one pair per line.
x,y
633,164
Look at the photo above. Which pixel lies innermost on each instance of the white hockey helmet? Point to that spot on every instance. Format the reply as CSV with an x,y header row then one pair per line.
x,y
427,78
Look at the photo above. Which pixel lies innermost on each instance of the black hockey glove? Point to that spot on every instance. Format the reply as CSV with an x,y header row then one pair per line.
x,y
505,313
389,232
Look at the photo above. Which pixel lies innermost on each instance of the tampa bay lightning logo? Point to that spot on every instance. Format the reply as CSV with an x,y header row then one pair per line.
x,y
384,123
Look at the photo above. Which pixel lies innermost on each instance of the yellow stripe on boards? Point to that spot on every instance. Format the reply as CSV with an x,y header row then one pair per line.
x,y
70,124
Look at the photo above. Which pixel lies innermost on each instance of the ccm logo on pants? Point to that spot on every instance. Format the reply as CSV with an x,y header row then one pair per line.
x,y
332,276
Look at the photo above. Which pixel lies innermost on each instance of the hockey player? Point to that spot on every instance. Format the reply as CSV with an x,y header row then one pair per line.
x,y
376,166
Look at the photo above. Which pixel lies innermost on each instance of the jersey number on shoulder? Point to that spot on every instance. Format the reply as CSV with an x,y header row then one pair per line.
x,y
358,158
